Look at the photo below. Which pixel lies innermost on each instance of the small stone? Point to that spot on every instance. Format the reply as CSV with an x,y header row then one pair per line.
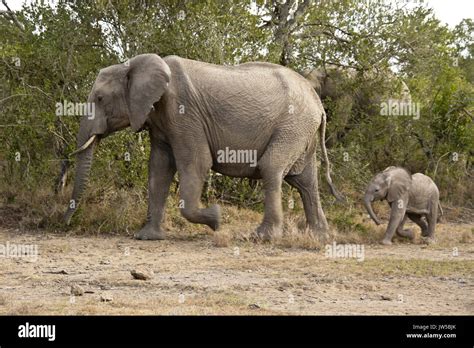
x,y
254,306
77,290
63,271
385,298
106,298
141,274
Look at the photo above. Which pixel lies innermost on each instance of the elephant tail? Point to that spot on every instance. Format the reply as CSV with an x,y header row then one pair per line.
x,y
322,137
440,212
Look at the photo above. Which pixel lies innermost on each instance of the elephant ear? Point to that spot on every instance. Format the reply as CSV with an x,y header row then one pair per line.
x,y
399,182
316,79
148,78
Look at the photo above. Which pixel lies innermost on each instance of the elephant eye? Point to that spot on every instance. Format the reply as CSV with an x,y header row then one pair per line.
x,y
99,98
376,190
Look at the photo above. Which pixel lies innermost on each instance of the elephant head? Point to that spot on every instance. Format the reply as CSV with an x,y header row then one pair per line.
x,y
391,184
330,82
347,85
122,95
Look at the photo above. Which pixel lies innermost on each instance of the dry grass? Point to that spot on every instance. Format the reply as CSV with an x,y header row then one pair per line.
x,y
123,211
222,239
118,211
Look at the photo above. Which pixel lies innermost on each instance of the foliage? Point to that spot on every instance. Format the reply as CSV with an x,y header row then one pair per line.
x,y
58,48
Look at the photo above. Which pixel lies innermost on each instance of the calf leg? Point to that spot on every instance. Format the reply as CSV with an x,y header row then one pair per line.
x,y
417,219
408,233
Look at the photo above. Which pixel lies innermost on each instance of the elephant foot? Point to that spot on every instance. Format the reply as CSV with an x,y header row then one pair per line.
x,y
208,216
149,233
322,237
428,240
408,233
320,233
267,233
214,214
387,242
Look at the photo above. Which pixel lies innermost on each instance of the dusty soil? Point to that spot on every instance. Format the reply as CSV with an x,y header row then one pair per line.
x,y
193,276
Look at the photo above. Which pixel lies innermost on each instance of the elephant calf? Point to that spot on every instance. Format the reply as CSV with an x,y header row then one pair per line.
x,y
414,196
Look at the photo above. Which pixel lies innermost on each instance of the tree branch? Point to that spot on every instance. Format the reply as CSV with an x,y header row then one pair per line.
x,y
11,15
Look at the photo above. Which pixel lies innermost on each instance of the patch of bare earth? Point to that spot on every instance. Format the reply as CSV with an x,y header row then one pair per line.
x,y
193,276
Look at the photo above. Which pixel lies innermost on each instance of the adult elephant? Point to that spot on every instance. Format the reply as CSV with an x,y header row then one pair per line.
x,y
349,95
254,120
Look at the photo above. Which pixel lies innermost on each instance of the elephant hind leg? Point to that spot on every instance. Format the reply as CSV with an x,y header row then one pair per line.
x,y
272,224
307,185
432,219
272,166
417,219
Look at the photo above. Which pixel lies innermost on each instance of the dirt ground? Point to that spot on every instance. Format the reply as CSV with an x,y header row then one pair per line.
x,y
194,276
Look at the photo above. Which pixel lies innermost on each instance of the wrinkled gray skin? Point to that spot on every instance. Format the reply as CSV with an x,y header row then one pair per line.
x,y
410,196
193,110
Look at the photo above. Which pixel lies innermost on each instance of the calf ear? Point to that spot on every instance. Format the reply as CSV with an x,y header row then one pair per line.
x,y
148,78
398,184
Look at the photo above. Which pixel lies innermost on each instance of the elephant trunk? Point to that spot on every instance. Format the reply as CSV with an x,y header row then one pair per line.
x,y
368,205
84,162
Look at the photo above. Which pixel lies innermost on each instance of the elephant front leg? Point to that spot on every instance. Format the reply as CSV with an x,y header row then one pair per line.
x,y
191,184
397,214
194,162
161,170
408,233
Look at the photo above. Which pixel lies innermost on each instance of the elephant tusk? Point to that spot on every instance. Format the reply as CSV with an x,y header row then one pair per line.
x,y
85,146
